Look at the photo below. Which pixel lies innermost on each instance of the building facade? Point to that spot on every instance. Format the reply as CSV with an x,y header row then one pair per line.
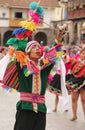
x,y
76,18
12,12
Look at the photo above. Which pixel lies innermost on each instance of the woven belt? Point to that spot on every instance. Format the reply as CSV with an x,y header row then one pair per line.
x,y
33,98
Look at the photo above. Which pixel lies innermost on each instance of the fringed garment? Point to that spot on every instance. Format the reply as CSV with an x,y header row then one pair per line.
x,y
54,84
56,78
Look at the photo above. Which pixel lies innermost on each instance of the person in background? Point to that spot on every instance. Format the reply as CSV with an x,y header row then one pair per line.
x,y
57,96
77,83
56,103
2,52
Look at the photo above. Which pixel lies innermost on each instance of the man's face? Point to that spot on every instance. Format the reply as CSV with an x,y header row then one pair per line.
x,y
35,52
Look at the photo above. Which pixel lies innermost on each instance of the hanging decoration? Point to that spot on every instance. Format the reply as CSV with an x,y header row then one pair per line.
x,y
27,27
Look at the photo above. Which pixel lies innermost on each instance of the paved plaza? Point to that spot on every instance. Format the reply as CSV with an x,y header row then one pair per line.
x,y
55,121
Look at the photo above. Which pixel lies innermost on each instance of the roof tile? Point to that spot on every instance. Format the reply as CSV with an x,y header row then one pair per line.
x,y
25,3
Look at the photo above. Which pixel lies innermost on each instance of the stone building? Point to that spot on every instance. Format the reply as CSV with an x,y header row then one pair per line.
x,y
76,19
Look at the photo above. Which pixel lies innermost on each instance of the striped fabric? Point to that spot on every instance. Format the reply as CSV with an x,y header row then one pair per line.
x,y
11,76
30,97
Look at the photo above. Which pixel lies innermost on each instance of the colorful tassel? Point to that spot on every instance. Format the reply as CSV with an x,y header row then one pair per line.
x,y
33,5
34,16
19,30
26,71
38,9
28,25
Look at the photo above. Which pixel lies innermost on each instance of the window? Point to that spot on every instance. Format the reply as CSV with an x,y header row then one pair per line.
x,y
82,1
72,5
75,4
18,14
69,6
84,4
3,15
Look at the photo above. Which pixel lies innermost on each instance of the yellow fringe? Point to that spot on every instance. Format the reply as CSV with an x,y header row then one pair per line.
x,y
28,25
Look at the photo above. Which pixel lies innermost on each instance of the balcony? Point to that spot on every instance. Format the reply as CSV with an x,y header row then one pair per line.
x,y
14,22
76,14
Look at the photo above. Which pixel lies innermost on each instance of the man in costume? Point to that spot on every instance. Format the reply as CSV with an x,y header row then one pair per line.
x,y
28,74
27,71
31,109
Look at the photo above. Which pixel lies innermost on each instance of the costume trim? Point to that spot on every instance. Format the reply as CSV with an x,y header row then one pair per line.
x,y
74,87
30,97
36,87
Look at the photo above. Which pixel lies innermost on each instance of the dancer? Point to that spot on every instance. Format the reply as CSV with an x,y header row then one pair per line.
x,y
77,83
28,76
27,72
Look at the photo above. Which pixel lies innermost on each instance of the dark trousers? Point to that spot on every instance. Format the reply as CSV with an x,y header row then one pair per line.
x,y
29,120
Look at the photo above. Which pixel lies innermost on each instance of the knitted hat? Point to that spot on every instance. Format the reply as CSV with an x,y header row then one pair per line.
x,y
31,44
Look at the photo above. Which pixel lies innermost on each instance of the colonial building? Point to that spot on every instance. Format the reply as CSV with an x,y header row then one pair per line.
x,y
76,18
13,11
61,18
